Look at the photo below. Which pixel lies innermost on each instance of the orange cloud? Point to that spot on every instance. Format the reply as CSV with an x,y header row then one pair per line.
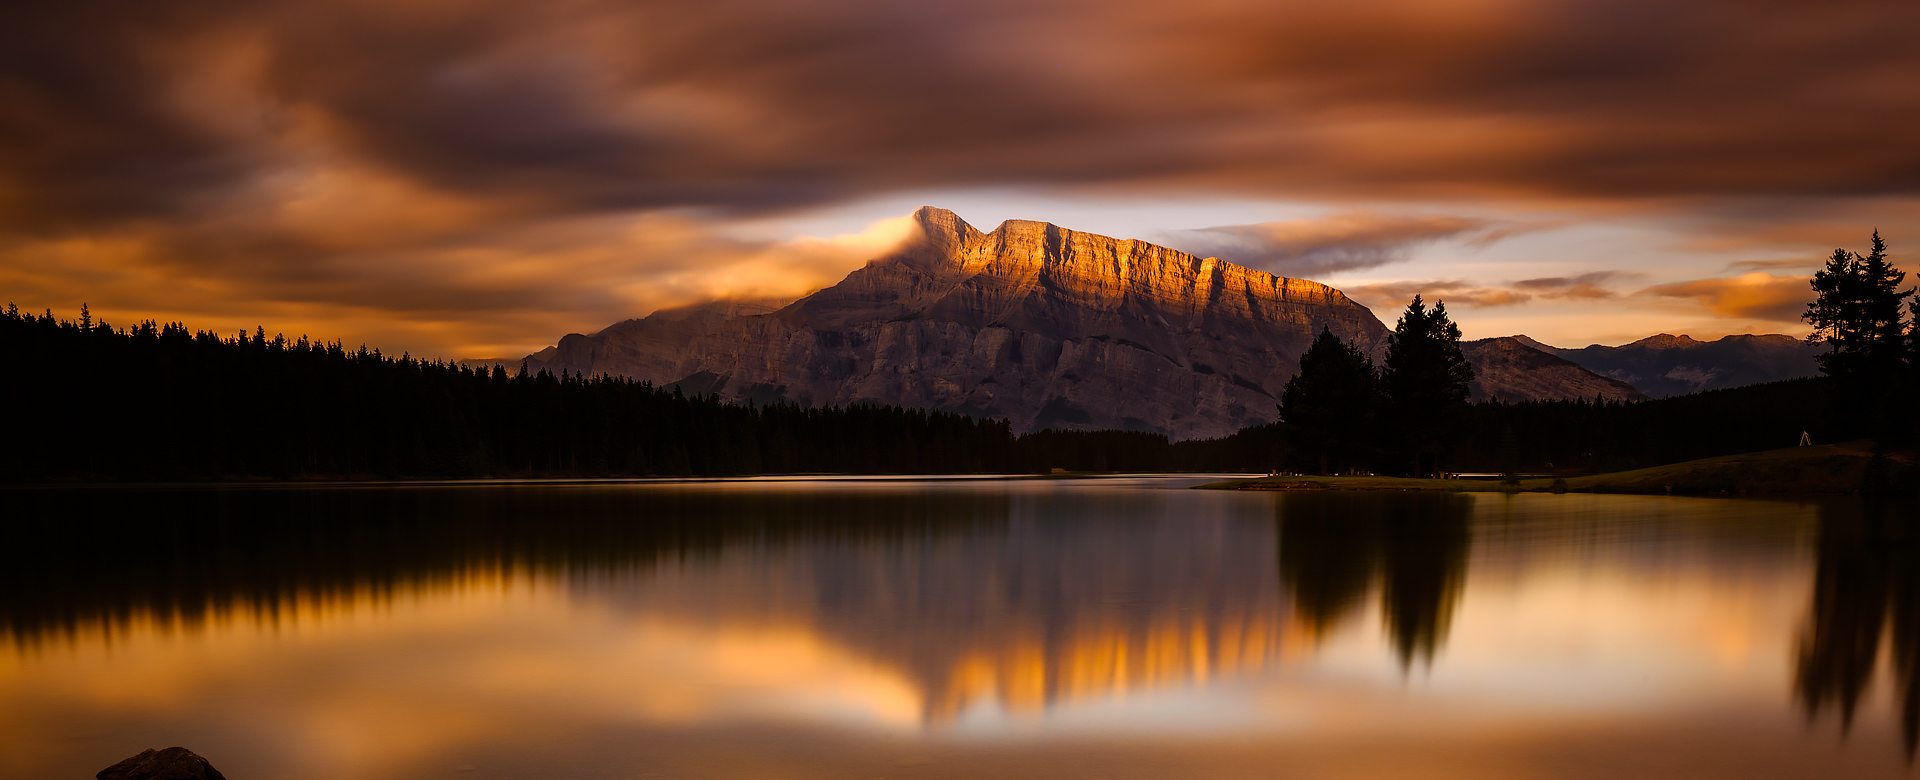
x,y
1391,294
489,293
462,175
1344,241
1758,295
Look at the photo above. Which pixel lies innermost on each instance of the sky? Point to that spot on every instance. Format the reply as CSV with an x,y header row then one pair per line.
x,y
465,178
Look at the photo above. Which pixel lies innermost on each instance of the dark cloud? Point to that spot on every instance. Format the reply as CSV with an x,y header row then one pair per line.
x,y
411,160
750,103
1587,286
1339,242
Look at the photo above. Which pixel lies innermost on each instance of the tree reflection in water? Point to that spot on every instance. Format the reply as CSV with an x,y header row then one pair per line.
x,y
84,557
1334,547
1866,588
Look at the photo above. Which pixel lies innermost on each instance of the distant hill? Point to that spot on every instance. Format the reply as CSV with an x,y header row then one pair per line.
x,y
1040,325
1666,364
1510,369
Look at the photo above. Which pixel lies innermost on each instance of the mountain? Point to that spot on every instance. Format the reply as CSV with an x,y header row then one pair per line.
x,y
1665,364
1041,325
1044,326
1510,368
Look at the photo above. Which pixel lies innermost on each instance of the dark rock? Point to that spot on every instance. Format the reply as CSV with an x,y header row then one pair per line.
x,y
174,763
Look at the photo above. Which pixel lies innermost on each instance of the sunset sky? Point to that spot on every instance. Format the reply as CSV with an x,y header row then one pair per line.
x,y
463,178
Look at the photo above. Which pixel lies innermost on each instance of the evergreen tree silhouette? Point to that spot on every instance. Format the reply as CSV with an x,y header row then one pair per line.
x,y
1859,313
1327,408
1424,385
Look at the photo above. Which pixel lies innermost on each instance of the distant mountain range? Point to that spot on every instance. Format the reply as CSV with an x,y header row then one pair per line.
x,y
1665,364
1510,368
1043,326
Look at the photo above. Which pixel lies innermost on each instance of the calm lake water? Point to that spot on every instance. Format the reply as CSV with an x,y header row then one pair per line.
x,y
929,629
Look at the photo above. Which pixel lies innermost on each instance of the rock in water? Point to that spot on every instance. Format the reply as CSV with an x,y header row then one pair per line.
x,y
174,763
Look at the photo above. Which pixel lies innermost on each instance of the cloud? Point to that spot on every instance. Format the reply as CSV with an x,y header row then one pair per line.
x,y
1591,286
117,110
1758,295
1392,294
487,293
1339,242
1587,286
1809,265
443,171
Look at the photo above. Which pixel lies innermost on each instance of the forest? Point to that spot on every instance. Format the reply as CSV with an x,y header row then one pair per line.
x,y
155,402
160,402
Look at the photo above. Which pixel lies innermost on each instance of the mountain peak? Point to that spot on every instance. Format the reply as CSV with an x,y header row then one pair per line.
x,y
1016,226
1535,343
943,227
1034,323
1511,368
1665,364
1665,341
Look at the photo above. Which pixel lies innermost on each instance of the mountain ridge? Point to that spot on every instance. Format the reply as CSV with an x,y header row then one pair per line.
x,y
1032,322
1510,368
1666,364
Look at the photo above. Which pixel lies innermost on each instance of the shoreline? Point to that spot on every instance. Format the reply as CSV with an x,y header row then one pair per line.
x,y
1825,470
279,484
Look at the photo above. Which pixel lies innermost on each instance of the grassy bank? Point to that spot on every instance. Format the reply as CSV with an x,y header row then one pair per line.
x,y
1830,469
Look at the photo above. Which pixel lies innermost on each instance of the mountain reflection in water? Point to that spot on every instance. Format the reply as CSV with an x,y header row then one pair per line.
x,y
383,631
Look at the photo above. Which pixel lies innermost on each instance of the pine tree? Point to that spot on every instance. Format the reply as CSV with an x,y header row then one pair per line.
x,y
1835,288
1424,385
1859,312
1327,407
1856,311
1883,307
1912,388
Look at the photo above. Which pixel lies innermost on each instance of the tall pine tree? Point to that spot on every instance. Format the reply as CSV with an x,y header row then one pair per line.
x,y
1327,408
1858,312
1424,386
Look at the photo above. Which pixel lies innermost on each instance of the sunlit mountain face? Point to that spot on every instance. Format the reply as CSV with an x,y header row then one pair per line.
x,y
942,627
1039,325
1032,323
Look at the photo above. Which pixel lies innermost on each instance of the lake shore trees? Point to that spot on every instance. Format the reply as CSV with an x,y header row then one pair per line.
x,y
1861,314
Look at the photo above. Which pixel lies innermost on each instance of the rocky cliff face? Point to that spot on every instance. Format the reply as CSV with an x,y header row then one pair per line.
x,y
1043,326
1510,369
1665,364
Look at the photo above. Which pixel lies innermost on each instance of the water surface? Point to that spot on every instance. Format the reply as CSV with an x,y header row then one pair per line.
x,y
980,628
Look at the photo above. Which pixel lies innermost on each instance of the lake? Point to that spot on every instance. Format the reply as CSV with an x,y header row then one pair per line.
x,y
1110,628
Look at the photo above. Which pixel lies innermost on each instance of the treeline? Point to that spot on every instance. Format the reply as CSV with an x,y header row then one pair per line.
x,y
160,402
1586,436
155,402
86,400
1340,414
1598,436
1256,448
